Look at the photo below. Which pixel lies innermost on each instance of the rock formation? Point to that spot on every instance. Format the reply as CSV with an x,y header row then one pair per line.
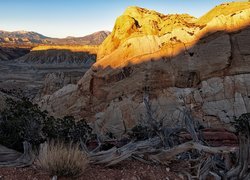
x,y
57,80
181,61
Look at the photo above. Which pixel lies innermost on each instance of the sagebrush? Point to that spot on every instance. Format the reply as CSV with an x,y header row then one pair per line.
x,y
61,159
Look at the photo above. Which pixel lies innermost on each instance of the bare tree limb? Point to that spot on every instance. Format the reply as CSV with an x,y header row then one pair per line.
x,y
25,159
166,155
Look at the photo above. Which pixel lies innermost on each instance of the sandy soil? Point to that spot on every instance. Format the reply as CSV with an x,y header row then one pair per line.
x,y
127,170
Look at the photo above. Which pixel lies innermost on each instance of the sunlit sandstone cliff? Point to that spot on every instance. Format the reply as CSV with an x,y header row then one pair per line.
x,y
203,64
140,32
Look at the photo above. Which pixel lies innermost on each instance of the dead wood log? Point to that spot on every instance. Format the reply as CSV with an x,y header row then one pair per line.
x,y
23,160
148,149
166,155
242,168
116,155
190,126
151,121
7,154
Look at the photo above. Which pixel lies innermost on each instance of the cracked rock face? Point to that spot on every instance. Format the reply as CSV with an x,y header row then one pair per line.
x,y
201,63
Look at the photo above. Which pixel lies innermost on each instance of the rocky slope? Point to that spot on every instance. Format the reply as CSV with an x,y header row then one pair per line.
x,y
58,54
180,61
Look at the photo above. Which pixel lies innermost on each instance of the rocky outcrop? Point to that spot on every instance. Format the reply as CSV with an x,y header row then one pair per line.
x,y
180,61
57,80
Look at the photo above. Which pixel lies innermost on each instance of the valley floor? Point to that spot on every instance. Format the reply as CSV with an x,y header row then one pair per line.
x,y
127,170
30,77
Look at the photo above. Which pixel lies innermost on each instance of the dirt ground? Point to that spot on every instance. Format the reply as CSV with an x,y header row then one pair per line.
x,y
127,170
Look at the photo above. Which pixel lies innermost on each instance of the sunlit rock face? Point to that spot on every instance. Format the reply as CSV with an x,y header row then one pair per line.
x,y
141,32
202,64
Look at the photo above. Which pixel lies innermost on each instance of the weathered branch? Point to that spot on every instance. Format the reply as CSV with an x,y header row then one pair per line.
x,y
23,160
116,155
166,155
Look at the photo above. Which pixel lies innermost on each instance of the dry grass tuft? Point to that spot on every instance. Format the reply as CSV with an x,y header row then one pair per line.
x,y
58,158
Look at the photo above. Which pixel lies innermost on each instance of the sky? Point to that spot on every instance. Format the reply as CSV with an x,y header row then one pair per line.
x,y
62,18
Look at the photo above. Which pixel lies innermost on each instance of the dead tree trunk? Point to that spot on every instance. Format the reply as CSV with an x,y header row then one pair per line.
x,y
242,169
22,160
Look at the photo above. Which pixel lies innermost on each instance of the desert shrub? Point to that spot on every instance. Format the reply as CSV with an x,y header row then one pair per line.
x,y
21,121
242,124
141,132
24,121
58,158
67,129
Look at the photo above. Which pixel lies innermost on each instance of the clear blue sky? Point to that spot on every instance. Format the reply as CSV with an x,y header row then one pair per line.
x,y
61,18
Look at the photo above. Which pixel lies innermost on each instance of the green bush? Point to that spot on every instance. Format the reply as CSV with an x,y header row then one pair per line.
x,y
24,121
242,124
66,129
141,132
21,121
